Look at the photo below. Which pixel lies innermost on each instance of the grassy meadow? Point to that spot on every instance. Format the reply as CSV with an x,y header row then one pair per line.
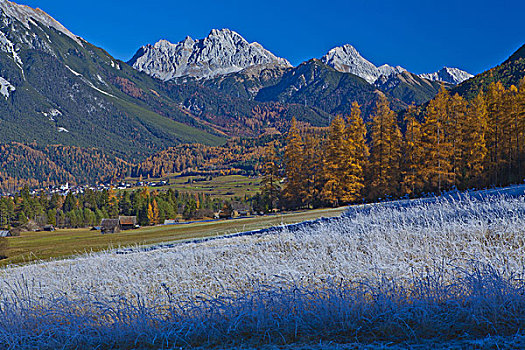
x,y
31,246
226,186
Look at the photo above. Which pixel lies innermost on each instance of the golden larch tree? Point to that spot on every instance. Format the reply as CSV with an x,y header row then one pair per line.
x,y
270,188
436,170
455,135
494,100
293,156
311,164
385,152
474,146
413,154
333,156
356,156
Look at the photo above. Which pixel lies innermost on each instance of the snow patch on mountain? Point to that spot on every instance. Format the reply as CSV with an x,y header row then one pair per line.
x,y
347,59
52,114
27,15
6,88
8,47
72,71
221,52
387,70
448,75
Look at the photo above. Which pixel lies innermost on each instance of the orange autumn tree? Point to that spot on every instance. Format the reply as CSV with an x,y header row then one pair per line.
x,y
436,168
385,152
293,155
412,184
356,156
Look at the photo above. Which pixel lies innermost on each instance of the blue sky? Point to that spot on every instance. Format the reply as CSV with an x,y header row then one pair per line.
x,y
422,36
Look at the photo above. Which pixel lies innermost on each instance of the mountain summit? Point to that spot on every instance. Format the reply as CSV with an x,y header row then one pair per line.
x,y
448,75
221,52
27,15
347,59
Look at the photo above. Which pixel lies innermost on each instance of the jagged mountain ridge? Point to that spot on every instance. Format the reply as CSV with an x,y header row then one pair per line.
x,y
221,52
347,59
224,52
448,75
409,88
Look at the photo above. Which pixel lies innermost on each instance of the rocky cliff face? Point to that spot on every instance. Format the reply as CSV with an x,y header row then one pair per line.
x,y
221,52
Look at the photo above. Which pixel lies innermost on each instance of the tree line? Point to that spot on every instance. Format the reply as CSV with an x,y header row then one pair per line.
x,y
448,143
89,208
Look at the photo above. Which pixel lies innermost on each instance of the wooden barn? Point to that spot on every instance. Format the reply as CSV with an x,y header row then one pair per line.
x,y
110,226
127,222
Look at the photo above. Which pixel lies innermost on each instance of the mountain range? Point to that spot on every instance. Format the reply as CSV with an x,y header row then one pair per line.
x,y
225,51
58,89
226,62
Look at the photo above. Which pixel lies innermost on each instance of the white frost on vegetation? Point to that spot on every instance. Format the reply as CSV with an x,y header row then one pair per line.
x,y
392,273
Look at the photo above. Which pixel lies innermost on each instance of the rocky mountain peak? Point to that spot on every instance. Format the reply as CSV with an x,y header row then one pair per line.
x,y
221,52
27,15
448,75
347,59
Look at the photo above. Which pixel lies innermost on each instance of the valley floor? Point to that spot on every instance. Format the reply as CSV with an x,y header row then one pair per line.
x,y
34,246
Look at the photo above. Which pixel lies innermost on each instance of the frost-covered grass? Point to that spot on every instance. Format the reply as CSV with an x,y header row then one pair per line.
x,y
434,271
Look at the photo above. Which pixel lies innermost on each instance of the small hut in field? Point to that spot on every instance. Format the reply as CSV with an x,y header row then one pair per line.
x,y
127,222
109,226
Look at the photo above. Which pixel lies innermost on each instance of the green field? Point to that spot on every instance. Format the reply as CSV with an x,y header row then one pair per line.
x,y
227,186
32,246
